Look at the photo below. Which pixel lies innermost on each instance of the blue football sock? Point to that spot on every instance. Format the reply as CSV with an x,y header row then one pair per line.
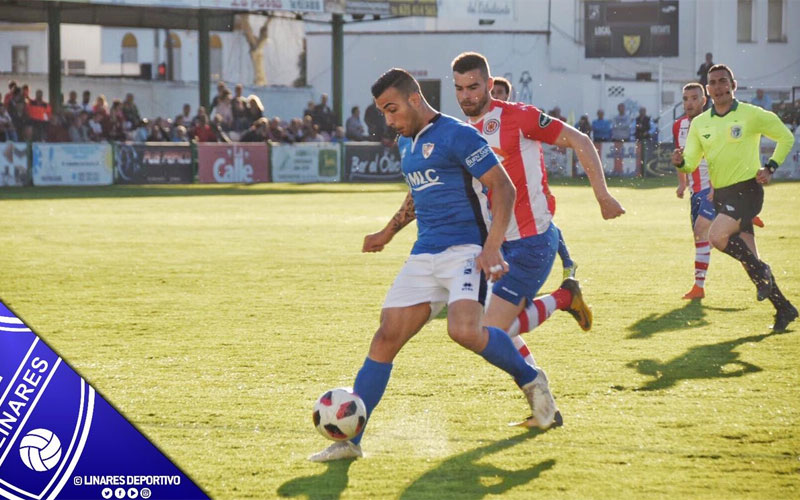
x,y
563,252
500,352
370,383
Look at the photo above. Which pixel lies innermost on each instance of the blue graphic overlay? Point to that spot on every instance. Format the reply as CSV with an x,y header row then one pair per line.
x,y
60,439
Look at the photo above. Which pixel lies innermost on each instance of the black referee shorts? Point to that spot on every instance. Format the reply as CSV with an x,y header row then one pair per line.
x,y
741,201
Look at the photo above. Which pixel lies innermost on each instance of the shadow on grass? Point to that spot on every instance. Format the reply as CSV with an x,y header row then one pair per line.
x,y
691,315
700,362
144,191
463,477
328,485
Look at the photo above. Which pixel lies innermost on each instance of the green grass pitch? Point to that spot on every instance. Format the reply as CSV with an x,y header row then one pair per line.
x,y
213,316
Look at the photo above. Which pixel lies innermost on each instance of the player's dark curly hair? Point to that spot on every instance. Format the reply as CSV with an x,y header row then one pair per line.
x,y
397,78
467,61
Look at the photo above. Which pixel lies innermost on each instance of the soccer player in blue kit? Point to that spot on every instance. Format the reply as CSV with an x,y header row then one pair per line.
x,y
449,168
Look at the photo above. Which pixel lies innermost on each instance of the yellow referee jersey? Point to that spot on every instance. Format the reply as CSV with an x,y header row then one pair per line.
x,y
731,142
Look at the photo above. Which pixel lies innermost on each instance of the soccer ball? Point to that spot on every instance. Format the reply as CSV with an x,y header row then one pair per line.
x,y
339,414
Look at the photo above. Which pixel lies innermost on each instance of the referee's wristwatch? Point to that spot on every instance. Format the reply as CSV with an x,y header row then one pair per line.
x,y
771,166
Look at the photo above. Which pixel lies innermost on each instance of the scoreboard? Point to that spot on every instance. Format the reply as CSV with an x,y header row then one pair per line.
x,y
631,29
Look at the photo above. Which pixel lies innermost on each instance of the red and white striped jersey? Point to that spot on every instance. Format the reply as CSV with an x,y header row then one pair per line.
x,y
515,132
698,180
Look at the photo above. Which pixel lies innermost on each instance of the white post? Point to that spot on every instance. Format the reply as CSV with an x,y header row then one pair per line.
x,y
603,91
660,84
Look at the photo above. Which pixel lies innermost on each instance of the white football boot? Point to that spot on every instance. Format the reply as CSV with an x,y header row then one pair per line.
x,y
338,451
543,406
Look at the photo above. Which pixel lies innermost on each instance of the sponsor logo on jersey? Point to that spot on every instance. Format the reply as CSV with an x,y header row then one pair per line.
x,y
478,155
544,120
736,131
491,126
422,180
427,149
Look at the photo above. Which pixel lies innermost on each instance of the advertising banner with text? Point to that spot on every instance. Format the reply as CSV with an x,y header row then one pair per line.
x,y
306,162
72,164
371,162
153,163
14,164
237,162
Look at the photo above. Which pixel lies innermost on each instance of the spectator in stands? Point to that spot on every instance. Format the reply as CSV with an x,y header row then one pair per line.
x,y
221,89
219,131
16,109
621,125
56,131
187,113
142,131
314,134
375,121
323,116
642,128
338,135
224,109
7,131
100,106
241,117
762,100
115,122
309,111
38,112
72,105
556,113
86,103
27,133
96,132
584,125
78,130
180,134
702,72
601,128
12,85
294,133
131,112
258,131
354,128
255,109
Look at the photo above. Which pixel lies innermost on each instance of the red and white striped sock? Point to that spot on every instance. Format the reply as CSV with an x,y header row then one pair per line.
x,y
522,347
702,257
538,312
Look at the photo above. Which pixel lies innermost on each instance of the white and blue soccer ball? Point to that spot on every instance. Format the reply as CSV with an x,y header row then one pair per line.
x,y
339,414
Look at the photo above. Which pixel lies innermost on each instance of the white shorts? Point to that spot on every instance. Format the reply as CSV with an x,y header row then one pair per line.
x,y
440,278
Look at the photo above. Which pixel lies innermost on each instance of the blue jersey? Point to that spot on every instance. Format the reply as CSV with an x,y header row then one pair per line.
x,y
442,165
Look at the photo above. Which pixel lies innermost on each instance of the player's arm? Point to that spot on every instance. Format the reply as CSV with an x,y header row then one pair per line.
x,y
590,160
773,127
376,241
687,160
683,179
490,260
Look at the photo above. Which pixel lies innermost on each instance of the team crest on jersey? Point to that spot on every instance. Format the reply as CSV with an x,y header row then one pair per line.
x,y
736,131
544,120
491,126
427,149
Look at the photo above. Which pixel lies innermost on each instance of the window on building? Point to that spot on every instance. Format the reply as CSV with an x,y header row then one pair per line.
x,y
76,67
215,57
775,12
130,49
19,59
744,21
173,44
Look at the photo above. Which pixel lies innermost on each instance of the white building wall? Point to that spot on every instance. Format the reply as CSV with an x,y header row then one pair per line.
x,y
557,72
34,36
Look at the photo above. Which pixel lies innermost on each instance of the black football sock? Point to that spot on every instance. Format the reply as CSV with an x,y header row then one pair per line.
x,y
777,298
737,249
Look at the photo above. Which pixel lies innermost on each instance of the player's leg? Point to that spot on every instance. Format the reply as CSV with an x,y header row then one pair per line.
x,y
398,325
495,346
501,313
569,265
702,257
736,206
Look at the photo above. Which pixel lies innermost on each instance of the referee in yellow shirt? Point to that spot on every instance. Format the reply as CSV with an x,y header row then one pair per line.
x,y
728,135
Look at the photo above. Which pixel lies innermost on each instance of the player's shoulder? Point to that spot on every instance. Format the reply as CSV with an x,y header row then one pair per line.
x,y
451,126
515,107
